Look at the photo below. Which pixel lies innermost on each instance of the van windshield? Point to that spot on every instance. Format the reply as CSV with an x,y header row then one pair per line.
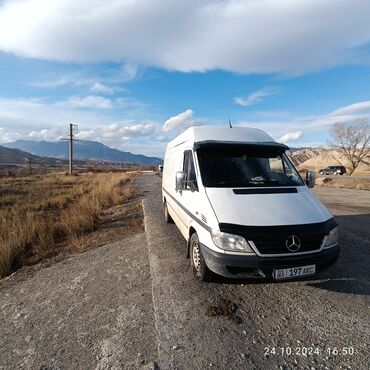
x,y
243,166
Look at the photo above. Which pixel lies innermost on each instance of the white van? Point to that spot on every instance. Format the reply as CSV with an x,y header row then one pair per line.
x,y
242,206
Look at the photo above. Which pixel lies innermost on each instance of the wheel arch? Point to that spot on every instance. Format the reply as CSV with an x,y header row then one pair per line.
x,y
192,230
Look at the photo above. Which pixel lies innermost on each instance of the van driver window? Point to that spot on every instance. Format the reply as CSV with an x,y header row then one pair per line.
x,y
189,168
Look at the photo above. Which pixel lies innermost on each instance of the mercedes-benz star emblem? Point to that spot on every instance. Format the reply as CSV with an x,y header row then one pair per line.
x,y
293,243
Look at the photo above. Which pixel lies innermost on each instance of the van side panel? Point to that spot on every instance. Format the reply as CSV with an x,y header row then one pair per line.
x,y
187,208
172,164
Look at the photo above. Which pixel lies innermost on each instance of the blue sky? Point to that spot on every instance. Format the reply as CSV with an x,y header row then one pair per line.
x,y
134,74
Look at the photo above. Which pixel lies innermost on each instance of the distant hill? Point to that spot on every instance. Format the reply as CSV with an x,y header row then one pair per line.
x,y
16,156
301,155
318,158
83,150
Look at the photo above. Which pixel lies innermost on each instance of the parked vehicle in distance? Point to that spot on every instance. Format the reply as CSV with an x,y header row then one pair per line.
x,y
243,208
333,170
160,168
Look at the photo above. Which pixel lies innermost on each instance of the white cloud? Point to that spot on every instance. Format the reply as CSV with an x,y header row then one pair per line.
x,y
20,103
181,121
22,113
49,134
7,136
194,35
43,119
91,101
39,120
97,83
139,129
42,134
116,134
127,72
99,88
255,97
291,136
86,135
357,108
314,128
60,81
126,131
33,115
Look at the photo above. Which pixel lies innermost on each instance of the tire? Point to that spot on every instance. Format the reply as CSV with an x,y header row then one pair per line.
x,y
167,216
198,264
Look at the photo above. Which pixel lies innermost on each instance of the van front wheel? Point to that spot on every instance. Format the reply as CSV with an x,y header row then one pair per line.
x,y
198,264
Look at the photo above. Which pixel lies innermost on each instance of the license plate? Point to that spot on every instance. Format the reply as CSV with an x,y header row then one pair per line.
x,y
292,272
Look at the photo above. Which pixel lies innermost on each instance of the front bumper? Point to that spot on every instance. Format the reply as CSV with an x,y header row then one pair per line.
x,y
259,267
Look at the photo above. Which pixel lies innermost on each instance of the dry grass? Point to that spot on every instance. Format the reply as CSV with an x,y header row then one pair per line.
x,y
347,182
43,216
361,172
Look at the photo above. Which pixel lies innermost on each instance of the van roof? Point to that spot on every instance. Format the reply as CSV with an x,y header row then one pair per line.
x,y
199,134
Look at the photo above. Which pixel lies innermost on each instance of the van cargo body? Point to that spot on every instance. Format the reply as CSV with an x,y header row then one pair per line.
x,y
242,206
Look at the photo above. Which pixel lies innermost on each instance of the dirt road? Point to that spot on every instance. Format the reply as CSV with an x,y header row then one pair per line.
x,y
134,303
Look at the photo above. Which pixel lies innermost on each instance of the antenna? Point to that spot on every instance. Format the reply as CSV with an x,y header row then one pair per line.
x,y
230,123
70,139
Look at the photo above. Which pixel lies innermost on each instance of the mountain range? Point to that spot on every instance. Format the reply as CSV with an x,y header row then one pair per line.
x,y
15,157
83,150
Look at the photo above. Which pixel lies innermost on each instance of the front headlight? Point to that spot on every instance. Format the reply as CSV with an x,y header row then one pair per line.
x,y
332,238
231,242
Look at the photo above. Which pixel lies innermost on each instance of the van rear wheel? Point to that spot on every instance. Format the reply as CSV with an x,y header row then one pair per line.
x,y
198,264
167,216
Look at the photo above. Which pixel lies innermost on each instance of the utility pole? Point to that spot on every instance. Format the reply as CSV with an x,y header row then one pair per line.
x,y
71,138
70,149
30,164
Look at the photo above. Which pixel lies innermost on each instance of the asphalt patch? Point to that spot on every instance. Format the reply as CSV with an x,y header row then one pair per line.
x,y
225,308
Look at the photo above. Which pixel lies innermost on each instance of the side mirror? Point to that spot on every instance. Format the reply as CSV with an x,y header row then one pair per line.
x,y
310,179
180,180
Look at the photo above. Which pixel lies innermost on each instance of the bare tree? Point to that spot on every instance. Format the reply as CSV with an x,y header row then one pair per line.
x,y
352,139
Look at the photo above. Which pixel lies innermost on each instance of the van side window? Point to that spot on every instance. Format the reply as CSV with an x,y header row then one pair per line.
x,y
276,165
279,167
189,168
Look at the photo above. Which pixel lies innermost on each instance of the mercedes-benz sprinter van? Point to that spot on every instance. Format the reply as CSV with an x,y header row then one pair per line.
x,y
242,206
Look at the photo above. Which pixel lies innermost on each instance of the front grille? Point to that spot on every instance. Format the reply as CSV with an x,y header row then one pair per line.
x,y
278,245
270,240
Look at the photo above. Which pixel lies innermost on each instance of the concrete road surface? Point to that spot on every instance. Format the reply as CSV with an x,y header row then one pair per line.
x,y
134,304
91,311
323,316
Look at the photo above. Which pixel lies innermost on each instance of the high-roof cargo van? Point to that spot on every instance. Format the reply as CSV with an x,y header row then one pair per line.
x,y
243,208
